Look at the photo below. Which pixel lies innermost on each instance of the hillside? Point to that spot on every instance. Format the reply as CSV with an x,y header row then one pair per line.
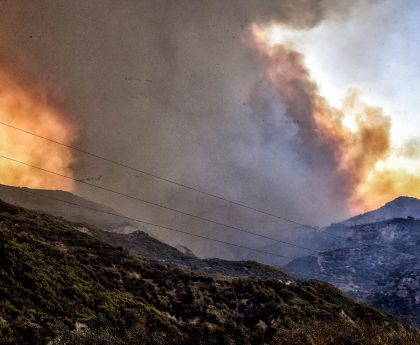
x,y
67,205
340,235
379,265
141,244
125,233
63,286
401,207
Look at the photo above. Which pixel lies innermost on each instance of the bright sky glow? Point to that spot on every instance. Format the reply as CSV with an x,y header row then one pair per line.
x,y
376,50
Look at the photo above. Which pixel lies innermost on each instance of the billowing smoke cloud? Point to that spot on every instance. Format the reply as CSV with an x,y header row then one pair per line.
x,y
350,146
344,155
173,88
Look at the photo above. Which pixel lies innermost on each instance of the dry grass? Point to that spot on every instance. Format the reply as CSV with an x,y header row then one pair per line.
x,y
346,333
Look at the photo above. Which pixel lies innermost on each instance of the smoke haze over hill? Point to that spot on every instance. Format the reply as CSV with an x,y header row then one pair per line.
x,y
176,89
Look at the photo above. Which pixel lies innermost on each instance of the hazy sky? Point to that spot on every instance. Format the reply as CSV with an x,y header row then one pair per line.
x,y
176,88
380,48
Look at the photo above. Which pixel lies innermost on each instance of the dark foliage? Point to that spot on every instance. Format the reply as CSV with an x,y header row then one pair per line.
x,y
60,285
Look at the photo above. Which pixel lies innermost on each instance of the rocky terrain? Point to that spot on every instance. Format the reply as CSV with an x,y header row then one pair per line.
x,y
376,263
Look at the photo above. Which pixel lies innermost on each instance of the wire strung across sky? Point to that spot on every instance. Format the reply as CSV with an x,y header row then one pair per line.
x,y
402,317
304,226
155,176
149,223
167,228
181,212
160,205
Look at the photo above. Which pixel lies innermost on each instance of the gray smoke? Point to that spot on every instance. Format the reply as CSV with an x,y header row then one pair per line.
x,y
172,87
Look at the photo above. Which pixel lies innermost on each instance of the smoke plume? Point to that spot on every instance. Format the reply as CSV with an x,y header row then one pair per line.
x,y
345,155
345,145
175,89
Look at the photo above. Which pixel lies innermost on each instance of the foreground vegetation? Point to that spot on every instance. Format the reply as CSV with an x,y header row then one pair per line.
x,y
345,333
313,333
61,286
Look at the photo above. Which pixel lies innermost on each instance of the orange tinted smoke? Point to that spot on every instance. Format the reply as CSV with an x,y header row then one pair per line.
x,y
29,108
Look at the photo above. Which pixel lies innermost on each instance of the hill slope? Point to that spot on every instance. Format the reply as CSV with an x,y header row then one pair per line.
x,y
401,207
141,244
61,285
49,201
125,233
379,265
340,235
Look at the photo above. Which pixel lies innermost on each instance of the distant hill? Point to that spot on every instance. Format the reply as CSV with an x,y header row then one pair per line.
x,y
401,207
376,263
63,204
338,235
119,232
60,285
141,244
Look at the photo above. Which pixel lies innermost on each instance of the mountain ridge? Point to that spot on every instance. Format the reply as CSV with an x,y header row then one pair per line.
x,y
400,207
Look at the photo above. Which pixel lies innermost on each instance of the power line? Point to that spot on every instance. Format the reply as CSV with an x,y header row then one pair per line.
x,y
159,205
174,210
149,223
195,189
181,212
169,228
189,214
183,186
403,317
